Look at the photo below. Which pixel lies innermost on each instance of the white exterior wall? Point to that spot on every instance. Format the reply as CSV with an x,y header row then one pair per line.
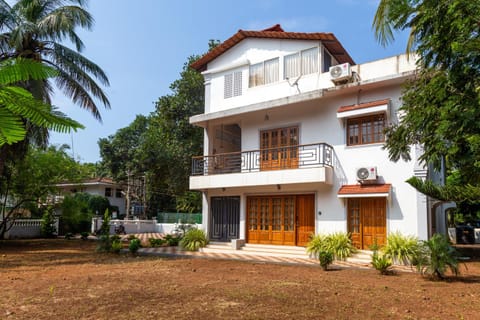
x,y
318,123
99,189
252,51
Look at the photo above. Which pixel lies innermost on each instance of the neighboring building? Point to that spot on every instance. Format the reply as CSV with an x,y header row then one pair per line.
x,y
294,142
104,187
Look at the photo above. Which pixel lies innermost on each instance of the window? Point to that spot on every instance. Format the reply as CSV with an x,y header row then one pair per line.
x,y
232,85
108,192
365,130
300,63
118,193
263,73
327,61
279,148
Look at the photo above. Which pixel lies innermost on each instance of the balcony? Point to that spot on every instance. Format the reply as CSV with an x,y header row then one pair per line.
x,y
309,163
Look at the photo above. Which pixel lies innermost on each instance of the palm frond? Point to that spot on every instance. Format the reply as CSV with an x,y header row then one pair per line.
x,y
61,23
17,70
12,128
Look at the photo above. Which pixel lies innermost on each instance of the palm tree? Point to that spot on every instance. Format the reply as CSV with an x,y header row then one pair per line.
x,y
34,29
395,15
18,106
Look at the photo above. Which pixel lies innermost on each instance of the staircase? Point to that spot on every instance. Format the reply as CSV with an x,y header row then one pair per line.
x,y
361,258
257,249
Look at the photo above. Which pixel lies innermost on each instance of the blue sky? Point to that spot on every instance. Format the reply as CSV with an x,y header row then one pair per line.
x,y
143,44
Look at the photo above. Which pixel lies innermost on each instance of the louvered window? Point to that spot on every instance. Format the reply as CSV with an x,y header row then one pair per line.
x,y
232,86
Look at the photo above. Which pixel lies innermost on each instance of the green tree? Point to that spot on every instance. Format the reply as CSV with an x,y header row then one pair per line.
x,y
35,30
33,178
441,105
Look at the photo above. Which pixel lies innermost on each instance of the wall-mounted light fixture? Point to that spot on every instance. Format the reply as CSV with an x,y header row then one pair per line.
x,y
279,187
319,212
266,118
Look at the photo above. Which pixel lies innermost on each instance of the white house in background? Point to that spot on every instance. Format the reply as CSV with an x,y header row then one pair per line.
x,y
104,187
294,142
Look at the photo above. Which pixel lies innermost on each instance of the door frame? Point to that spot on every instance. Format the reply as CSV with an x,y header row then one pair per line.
x,y
226,229
263,228
367,221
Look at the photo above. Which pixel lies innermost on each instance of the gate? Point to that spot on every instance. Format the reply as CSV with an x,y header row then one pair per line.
x,y
225,218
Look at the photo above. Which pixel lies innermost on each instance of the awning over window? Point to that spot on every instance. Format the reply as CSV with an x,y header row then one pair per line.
x,y
363,109
364,190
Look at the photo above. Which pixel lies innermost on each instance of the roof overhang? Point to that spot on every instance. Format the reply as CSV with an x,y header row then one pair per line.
x,y
365,191
361,109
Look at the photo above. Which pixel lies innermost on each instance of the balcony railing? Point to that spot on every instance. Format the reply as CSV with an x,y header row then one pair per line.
x,y
293,157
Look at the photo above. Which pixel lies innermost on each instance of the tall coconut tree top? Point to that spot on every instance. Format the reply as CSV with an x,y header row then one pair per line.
x,y
35,29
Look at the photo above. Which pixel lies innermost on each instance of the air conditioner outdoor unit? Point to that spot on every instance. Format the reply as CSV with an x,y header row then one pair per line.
x,y
340,72
367,173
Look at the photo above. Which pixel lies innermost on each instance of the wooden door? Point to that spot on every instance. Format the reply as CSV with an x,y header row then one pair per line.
x,y
305,218
225,218
367,221
279,148
282,220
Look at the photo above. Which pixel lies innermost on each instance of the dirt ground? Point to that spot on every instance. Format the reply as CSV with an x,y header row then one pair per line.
x,y
66,279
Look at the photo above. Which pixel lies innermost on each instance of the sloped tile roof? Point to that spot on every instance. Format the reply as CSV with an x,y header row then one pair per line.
x,y
364,188
276,32
363,105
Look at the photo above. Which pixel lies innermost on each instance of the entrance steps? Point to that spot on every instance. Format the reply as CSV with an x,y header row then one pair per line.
x,y
361,257
257,250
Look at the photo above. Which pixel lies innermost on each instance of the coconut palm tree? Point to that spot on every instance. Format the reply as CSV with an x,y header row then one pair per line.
x,y
34,29
18,106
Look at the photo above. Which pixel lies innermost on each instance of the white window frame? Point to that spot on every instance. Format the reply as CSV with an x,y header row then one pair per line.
x,y
299,63
258,73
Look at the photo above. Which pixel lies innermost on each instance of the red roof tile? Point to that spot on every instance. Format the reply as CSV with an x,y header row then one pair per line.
x,y
275,32
363,105
364,188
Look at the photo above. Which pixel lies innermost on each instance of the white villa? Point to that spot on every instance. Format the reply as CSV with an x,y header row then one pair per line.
x,y
104,187
294,143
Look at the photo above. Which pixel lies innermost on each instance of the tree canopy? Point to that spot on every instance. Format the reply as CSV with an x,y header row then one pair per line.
x,y
441,105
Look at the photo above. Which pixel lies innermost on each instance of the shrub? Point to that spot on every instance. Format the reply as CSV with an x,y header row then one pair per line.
x,y
401,249
105,243
325,258
116,246
436,256
172,240
340,245
115,238
131,237
193,240
47,228
134,245
381,262
84,235
154,242
68,235
316,245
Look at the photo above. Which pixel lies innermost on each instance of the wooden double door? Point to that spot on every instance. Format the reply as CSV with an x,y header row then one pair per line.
x,y
281,220
367,221
279,148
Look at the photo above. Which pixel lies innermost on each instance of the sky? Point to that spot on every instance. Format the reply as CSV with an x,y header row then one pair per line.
x,y
142,46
